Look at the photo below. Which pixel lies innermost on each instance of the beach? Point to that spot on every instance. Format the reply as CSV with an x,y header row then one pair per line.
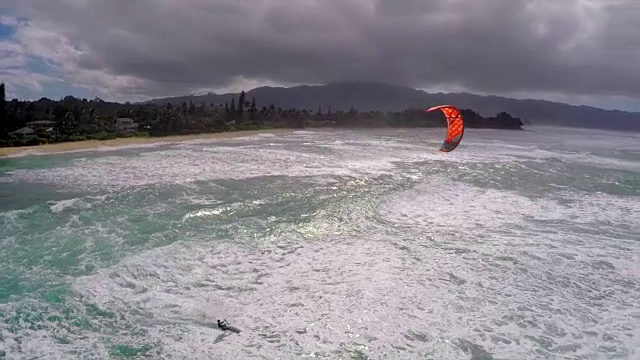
x,y
89,145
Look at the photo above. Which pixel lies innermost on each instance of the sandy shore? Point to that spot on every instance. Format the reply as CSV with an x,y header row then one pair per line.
x,y
120,142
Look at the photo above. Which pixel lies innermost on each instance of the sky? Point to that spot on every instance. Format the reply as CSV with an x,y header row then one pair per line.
x,y
574,51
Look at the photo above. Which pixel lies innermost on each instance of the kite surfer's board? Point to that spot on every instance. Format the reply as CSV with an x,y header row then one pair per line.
x,y
232,329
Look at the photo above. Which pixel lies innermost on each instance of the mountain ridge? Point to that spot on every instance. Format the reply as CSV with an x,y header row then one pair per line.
x,y
374,96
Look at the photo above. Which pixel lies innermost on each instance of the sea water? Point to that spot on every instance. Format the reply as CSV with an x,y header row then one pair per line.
x,y
332,244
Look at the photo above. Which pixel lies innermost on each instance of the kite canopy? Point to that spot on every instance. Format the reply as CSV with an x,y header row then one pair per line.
x,y
455,126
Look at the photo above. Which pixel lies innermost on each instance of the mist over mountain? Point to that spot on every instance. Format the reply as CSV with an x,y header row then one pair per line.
x,y
371,96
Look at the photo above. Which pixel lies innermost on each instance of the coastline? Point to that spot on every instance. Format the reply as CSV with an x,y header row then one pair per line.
x,y
89,145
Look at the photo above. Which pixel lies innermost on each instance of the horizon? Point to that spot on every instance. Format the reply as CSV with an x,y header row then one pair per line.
x,y
315,85
148,50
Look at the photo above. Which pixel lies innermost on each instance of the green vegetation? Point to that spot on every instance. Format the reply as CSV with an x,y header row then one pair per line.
x,y
72,119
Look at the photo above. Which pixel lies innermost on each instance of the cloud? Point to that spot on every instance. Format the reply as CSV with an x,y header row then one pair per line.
x,y
14,63
581,48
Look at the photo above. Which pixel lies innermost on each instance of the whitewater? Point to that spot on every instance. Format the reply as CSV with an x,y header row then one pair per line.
x,y
326,244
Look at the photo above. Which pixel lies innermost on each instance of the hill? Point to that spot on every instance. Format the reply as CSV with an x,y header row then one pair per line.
x,y
370,96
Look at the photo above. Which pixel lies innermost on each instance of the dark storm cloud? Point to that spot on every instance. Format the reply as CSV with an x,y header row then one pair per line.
x,y
170,46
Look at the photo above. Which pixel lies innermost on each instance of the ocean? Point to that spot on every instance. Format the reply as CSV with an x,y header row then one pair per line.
x,y
327,244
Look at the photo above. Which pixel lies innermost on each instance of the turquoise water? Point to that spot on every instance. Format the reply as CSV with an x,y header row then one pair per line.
x,y
326,244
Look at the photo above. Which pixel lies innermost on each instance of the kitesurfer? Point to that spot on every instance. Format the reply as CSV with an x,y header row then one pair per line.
x,y
224,326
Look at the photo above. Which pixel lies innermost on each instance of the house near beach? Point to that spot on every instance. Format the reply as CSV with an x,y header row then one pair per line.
x,y
126,125
25,133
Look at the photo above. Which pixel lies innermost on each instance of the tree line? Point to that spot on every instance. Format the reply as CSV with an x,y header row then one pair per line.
x,y
74,119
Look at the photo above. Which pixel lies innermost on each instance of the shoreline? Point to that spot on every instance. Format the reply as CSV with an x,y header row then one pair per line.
x,y
113,144
133,142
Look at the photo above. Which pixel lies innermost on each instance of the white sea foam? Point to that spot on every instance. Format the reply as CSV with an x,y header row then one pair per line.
x,y
61,205
389,250
348,294
443,204
228,161
306,299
